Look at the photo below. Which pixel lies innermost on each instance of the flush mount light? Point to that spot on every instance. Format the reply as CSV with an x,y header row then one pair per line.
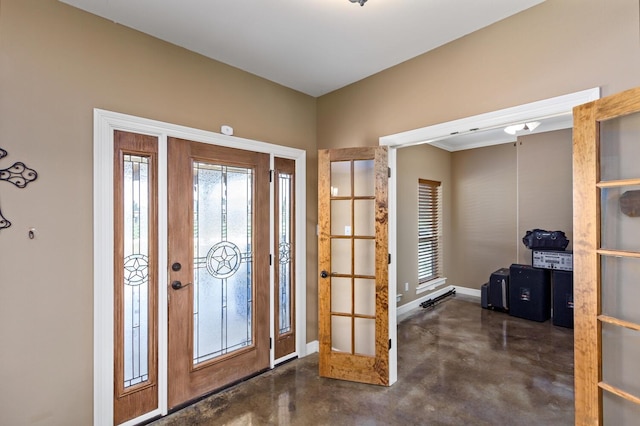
x,y
362,2
512,130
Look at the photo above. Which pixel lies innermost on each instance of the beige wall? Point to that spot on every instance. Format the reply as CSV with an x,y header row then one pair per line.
x,y
56,64
484,213
555,48
500,192
545,186
413,163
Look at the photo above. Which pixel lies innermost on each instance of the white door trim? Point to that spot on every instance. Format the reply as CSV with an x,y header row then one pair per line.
x,y
105,122
437,135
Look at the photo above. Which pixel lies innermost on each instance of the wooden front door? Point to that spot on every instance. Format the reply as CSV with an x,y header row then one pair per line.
x,y
353,264
218,247
606,208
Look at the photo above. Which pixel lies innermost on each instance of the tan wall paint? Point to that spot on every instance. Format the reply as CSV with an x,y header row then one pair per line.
x,y
56,64
499,193
484,213
545,186
555,48
420,162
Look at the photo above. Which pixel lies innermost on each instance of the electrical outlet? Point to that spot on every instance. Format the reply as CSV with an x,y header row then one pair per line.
x,y
406,286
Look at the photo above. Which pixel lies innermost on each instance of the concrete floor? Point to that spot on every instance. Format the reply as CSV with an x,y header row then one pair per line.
x,y
458,364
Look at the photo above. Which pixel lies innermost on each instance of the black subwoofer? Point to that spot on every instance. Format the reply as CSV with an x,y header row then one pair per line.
x,y
562,298
529,293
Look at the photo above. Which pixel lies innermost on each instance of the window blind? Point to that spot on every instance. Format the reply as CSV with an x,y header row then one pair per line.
x,y
429,212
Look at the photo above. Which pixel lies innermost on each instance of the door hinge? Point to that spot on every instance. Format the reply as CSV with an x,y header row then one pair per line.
x,y
389,258
270,343
270,259
270,176
389,344
389,170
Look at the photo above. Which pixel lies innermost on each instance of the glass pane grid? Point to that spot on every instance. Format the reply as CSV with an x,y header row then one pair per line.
x,y
620,353
353,257
620,218
618,410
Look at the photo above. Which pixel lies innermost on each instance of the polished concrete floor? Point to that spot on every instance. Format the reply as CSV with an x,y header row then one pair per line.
x,y
458,364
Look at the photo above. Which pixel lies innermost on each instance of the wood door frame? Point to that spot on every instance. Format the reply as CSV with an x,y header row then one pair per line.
x,y
588,252
105,123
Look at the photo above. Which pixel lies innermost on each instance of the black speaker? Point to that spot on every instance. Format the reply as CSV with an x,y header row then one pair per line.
x,y
499,290
529,293
484,295
562,298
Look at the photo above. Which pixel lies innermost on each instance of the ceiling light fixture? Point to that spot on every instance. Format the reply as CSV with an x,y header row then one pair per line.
x,y
362,2
512,130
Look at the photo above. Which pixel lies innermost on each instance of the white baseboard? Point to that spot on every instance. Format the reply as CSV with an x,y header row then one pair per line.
x,y
312,347
468,291
405,310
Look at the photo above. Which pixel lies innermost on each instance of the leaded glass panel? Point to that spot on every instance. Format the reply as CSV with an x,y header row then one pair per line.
x,y
223,292
136,269
285,181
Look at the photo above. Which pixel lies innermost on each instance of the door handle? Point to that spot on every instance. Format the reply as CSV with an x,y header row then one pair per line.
x,y
324,274
177,285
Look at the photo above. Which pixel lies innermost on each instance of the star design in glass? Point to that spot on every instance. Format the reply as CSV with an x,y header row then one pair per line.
x,y
225,257
135,269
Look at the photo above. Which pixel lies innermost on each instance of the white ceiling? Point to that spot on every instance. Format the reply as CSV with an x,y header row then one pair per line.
x,y
313,46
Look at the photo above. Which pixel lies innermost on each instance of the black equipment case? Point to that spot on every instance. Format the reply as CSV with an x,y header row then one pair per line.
x,y
498,290
529,293
484,295
562,298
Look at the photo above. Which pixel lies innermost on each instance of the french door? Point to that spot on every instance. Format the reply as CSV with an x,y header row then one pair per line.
x,y
353,260
606,205
218,267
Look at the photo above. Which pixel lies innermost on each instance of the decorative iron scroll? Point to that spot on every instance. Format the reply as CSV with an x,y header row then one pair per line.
x,y
4,223
20,175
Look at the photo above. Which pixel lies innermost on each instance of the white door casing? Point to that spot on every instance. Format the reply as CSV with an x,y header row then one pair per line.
x,y
105,123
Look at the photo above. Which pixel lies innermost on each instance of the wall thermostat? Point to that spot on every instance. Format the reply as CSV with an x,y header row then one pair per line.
x,y
227,130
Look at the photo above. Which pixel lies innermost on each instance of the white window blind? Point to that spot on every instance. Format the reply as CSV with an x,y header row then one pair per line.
x,y
429,247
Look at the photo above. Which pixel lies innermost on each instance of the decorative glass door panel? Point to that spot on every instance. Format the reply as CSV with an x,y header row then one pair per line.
x,y
136,269
136,284
607,259
222,285
285,333
353,259
219,272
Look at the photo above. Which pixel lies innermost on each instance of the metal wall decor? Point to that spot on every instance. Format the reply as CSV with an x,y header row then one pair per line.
x,y
20,175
